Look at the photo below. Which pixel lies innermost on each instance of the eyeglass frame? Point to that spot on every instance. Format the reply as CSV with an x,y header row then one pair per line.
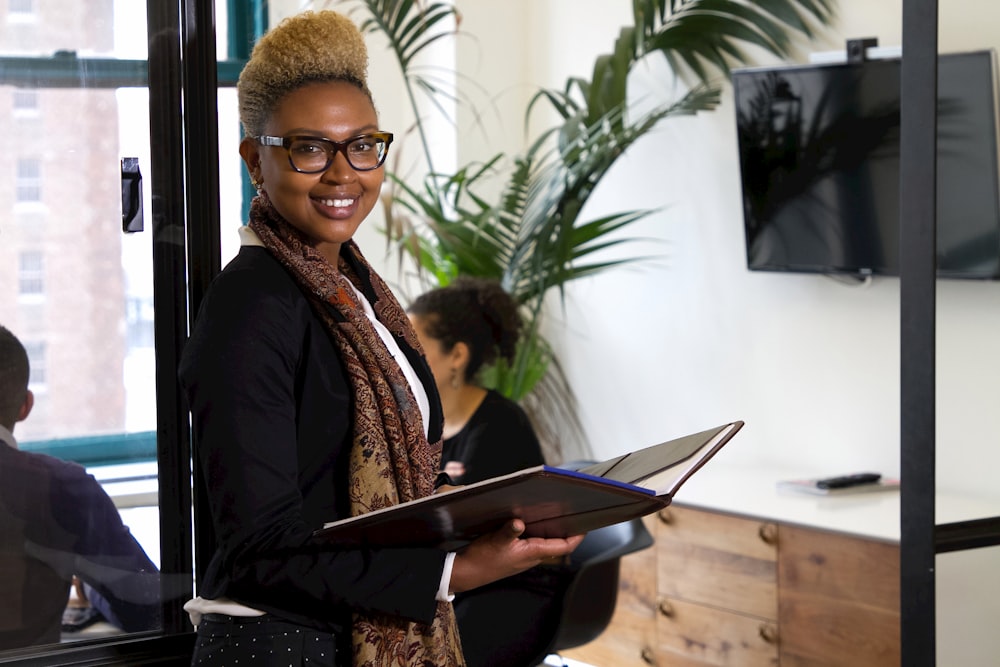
x,y
338,147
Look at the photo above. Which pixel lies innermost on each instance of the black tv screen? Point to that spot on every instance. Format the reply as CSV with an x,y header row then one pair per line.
x,y
819,164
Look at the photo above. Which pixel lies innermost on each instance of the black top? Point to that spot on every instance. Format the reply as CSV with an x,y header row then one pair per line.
x,y
271,413
508,622
497,440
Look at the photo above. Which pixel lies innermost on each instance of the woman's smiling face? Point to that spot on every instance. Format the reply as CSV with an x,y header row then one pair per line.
x,y
329,206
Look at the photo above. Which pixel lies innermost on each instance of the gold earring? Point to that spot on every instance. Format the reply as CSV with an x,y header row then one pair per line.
x,y
455,383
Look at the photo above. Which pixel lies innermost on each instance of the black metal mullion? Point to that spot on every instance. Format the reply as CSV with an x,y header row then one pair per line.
x,y
963,535
133,650
918,171
201,133
170,307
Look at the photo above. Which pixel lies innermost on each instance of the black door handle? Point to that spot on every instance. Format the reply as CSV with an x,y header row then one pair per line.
x,y
131,195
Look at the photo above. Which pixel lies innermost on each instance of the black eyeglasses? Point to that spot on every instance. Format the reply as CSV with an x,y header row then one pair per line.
x,y
311,155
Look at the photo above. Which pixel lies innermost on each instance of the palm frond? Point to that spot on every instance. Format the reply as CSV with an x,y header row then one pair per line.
x,y
531,237
409,26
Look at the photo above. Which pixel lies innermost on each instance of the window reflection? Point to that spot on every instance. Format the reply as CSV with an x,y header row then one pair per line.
x,y
31,275
76,289
77,293
29,180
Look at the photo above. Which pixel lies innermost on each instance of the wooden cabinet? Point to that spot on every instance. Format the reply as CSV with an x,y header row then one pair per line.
x,y
720,589
839,600
717,589
630,639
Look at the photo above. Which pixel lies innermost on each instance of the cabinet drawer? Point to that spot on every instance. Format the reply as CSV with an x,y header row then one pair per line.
x,y
629,640
718,560
839,602
695,635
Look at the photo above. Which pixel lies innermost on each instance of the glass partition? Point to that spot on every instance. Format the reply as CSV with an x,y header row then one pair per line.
x,y
92,283
78,293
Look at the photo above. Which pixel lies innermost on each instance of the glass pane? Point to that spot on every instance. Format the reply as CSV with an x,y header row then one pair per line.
x,y
231,175
77,292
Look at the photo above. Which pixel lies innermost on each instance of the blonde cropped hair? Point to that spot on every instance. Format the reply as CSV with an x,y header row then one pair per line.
x,y
310,47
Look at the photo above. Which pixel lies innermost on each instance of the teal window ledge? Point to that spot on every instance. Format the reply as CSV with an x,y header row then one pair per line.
x,y
99,450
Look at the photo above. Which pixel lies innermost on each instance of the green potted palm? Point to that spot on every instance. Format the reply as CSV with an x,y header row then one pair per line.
x,y
531,236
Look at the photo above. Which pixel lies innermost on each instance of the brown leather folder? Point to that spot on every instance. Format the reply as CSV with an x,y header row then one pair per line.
x,y
552,502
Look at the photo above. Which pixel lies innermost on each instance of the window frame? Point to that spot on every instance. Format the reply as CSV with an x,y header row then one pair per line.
x,y
28,180
181,64
25,104
17,15
31,270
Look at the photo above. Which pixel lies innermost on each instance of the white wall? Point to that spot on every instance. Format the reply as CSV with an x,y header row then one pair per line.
x,y
691,338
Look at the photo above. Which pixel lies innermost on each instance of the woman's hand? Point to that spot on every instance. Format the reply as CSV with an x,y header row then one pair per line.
x,y
502,553
454,469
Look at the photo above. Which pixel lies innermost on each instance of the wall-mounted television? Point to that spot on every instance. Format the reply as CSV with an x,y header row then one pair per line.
x,y
819,164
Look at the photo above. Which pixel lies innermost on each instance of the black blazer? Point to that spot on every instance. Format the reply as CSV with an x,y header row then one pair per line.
x,y
271,415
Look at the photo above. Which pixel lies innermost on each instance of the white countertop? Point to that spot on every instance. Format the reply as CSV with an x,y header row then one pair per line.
x,y
749,490
752,491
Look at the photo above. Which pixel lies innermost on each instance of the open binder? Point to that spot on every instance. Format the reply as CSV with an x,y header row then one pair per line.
x,y
552,502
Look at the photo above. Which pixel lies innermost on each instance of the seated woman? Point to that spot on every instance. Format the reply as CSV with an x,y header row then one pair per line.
x,y
462,327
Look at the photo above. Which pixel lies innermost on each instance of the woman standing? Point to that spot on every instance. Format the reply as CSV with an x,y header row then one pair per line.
x,y
310,398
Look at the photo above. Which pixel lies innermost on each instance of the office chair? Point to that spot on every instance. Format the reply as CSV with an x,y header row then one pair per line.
x,y
591,595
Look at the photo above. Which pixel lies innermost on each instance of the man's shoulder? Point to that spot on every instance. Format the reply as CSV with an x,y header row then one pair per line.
x,y
19,461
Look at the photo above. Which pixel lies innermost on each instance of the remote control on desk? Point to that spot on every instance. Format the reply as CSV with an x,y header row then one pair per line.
x,y
844,481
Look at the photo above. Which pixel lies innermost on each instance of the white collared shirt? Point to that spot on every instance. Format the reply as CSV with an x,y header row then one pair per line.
x,y
7,437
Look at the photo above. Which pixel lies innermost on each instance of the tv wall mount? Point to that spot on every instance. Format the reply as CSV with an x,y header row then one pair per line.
x,y
857,49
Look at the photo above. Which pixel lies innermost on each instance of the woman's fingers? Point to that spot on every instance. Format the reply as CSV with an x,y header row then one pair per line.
x,y
504,552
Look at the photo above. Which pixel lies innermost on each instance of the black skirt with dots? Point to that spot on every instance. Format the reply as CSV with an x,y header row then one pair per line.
x,y
264,641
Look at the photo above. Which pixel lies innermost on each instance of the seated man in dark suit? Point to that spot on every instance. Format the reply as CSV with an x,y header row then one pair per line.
x,y
56,521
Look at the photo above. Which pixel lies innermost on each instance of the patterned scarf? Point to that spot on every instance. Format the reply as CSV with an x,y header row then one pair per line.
x,y
390,460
